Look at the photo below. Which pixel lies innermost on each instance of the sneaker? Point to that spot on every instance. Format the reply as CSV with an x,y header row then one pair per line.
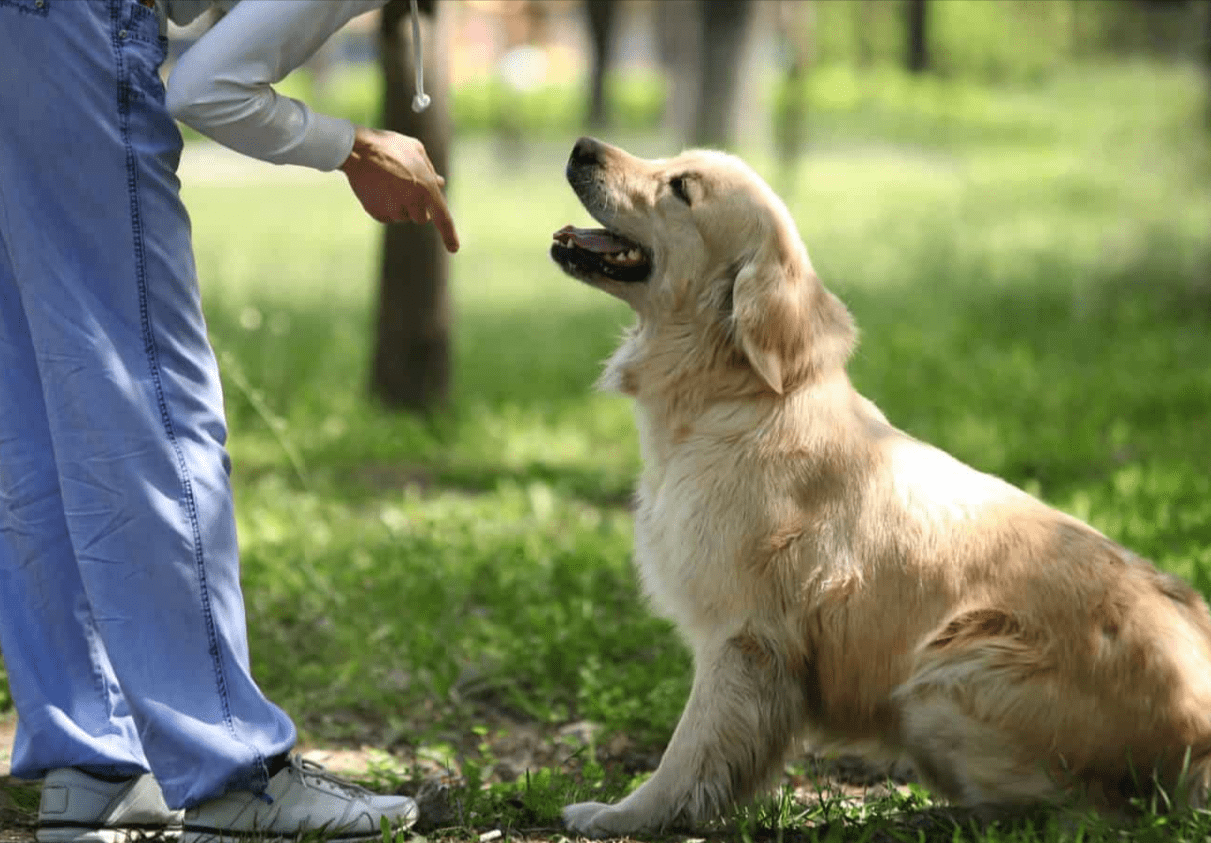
x,y
79,808
301,797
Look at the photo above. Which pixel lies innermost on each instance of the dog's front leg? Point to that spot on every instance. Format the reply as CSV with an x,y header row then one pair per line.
x,y
747,703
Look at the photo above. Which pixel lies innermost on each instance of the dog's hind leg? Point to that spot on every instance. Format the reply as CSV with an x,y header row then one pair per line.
x,y
748,702
995,716
981,714
967,761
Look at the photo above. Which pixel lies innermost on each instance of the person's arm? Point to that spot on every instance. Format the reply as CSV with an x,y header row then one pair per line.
x,y
393,178
223,85
185,12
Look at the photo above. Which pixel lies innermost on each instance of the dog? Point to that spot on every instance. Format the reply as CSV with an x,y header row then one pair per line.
x,y
836,578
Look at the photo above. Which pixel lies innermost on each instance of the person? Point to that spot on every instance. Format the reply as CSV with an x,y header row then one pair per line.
x,y
122,623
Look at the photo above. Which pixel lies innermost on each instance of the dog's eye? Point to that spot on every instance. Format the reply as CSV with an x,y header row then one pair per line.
x,y
677,185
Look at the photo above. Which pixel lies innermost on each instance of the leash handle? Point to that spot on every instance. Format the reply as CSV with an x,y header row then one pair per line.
x,y
420,100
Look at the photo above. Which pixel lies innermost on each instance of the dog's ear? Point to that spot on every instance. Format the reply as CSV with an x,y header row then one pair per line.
x,y
785,323
764,312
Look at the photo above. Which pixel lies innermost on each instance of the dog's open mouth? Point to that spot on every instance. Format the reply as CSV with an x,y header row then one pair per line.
x,y
598,252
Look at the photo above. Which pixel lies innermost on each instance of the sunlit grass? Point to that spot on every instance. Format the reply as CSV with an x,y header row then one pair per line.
x,y
1030,271
1032,307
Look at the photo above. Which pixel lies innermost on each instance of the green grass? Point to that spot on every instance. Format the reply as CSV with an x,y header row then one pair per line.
x,y
1031,272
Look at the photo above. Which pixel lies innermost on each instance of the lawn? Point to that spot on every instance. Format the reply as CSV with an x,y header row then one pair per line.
x,y
1031,272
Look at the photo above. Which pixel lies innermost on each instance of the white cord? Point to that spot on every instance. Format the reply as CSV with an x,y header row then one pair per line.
x,y
420,100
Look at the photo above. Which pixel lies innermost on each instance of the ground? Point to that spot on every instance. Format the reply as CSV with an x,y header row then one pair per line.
x,y
517,748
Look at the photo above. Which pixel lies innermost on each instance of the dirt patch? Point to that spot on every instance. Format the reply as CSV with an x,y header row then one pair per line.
x,y
502,752
18,809
8,728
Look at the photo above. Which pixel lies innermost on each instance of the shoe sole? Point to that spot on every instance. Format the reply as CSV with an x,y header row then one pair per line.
x,y
78,834
211,835
263,836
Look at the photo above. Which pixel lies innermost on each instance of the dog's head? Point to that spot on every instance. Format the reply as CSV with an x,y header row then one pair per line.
x,y
709,257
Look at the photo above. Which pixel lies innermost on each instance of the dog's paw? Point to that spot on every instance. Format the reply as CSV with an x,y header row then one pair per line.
x,y
595,819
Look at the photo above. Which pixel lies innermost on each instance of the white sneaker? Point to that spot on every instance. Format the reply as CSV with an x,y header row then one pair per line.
x,y
79,808
301,797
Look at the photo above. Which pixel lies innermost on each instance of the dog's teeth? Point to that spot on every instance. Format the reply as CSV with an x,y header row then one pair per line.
x,y
628,258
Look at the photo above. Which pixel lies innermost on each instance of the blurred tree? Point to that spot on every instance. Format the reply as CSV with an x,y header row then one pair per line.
x,y
725,25
1162,18
1076,20
796,26
863,25
411,366
678,37
601,16
1207,54
916,28
701,45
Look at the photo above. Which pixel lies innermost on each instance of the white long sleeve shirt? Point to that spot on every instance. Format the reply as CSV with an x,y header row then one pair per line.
x,y
222,86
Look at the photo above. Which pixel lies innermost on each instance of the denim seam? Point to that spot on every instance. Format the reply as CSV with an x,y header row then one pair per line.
x,y
5,227
125,95
28,8
96,649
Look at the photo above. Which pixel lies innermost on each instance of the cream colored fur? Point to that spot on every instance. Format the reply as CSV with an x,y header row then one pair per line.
x,y
835,577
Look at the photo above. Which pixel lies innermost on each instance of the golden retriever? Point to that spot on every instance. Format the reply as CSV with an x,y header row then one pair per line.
x,y
833,576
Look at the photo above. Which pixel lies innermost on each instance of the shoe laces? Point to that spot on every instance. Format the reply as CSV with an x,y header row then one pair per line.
x,y
306,768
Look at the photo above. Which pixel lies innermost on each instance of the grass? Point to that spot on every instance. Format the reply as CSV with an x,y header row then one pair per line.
x,y
1031,272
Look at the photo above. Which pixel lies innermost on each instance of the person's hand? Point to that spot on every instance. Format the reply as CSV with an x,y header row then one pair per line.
x,y
393,178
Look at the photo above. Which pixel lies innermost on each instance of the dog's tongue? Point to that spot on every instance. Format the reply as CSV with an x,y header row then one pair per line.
x,y
591,239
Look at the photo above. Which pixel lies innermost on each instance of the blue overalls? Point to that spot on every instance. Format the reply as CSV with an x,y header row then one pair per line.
x,y
121,617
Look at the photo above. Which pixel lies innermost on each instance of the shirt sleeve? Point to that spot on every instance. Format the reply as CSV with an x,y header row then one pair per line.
x,y
223,85
184,12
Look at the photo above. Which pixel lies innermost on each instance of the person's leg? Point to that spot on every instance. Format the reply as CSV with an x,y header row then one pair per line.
x,y
70,709
100,245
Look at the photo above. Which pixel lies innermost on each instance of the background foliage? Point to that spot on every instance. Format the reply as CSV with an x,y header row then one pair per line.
x,y
1028,266
1023,239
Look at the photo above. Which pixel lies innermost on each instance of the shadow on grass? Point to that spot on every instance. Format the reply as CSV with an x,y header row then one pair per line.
x,y
934,824
583,485
1051,374
18,809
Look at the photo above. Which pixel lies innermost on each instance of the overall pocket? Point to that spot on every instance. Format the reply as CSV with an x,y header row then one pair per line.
x,y
143,49
27,7
139,20
149,127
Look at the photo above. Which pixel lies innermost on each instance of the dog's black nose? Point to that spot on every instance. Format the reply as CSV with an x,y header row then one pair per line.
x,y
586,153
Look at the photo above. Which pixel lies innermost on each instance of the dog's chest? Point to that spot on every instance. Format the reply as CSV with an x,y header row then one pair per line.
x,y
689,538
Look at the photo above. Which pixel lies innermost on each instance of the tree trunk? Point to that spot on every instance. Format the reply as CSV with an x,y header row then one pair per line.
x,y
1075,31
1207,55
797,24
679,39
917,57
411,367
724,32
602,15
864,24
